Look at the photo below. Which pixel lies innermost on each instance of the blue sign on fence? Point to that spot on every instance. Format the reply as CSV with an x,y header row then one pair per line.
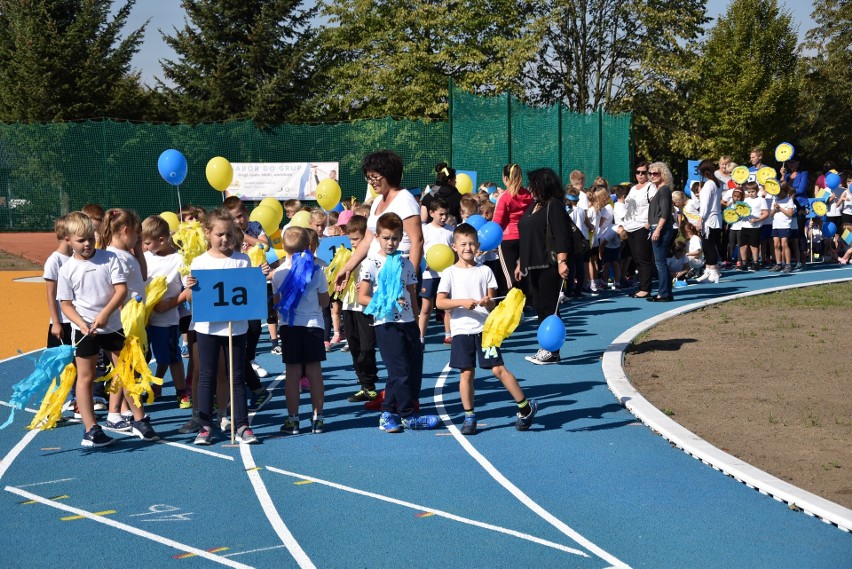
x,y
224,295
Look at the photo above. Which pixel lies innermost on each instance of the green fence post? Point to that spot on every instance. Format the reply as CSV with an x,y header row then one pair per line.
x,y
559,137
451,93
509,119
600,141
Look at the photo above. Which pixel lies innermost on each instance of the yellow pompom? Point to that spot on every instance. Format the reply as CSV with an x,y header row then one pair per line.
x,y
51,406
256,255
504,319
341,257
191,242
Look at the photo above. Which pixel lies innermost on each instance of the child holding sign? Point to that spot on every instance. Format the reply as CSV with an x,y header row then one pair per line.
x,y
301,294
212,337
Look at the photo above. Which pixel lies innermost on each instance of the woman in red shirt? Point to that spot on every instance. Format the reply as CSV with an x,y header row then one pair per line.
x,y
511,205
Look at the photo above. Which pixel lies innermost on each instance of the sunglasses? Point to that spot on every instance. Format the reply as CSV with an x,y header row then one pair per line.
x,y
641,172
655,174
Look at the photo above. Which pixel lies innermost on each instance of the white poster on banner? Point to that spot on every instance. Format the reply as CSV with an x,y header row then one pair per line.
x,y
254,181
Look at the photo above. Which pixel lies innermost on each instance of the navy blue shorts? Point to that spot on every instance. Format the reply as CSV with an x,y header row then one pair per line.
x,y
90,345
163,341
765,232
467,348
301,344
612,254
429,288
782,233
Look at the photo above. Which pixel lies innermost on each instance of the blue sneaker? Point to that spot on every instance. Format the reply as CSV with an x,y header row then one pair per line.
x,y
469,425
390,423
184,350
420,422
525,422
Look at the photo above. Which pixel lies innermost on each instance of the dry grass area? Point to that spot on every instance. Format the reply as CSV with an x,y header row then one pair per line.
x,y
768,379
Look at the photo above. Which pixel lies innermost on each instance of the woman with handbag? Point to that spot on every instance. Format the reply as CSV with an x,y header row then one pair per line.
x,y
544,248
639,230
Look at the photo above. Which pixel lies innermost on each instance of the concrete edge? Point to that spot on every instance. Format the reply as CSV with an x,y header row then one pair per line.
x,y
698,448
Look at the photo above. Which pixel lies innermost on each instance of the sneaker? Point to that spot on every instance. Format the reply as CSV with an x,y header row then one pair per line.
x,y
258,369
204,437
246,436
754,267
191,426
184,401
469,425
524,423
362,396
775,268
317,425
799,266
327,346
258,400
544,358
741,266
120,425
390,423
535,356
95,437
375,404
345,347
224,423
304,384
143,429
787,269
100,405
184,351
276,350
420,422
290,426
68,406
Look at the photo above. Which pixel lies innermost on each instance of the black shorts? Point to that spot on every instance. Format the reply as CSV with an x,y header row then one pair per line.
x,y
466,349
91,345
429,288
271,313
302,345
183,323
612,254
53,341
750,237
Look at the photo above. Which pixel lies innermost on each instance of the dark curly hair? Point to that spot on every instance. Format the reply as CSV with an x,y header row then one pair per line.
x,y
384,162
545,185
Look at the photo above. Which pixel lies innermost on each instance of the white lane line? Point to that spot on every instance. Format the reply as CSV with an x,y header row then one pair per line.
x,y
507,484
27,409
258,550
621,387
43,483
181,446
16,450
128,528
21,355
271,512
439,513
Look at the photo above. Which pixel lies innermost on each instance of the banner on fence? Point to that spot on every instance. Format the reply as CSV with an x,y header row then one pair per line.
x,y
254,181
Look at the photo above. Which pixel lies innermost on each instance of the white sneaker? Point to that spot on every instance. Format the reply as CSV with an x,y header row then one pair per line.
x,y
225,423
714,277
704,276
258,369
541,354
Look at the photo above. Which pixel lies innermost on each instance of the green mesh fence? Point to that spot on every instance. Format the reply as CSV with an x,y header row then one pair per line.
x,y
47,170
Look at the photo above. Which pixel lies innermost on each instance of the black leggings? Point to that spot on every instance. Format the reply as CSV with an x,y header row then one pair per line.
x,y
252,339
711,245
209,347
509,252
545,285
643,256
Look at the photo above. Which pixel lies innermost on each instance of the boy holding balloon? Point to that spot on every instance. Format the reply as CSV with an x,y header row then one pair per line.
x,y
467,290
434,233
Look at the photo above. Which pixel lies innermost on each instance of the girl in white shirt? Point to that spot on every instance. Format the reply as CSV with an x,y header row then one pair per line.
x,y
710,219
783,210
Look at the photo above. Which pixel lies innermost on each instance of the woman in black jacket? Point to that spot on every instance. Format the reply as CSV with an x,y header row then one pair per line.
x,y
662,228
545,246
445,187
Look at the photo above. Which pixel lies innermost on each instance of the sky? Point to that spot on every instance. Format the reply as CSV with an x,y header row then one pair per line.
x,y
165,15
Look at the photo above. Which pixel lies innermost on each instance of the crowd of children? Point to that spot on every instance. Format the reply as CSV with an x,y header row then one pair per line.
x,y
105,258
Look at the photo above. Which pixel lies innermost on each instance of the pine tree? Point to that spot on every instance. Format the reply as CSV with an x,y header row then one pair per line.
x,y
64,60
238,59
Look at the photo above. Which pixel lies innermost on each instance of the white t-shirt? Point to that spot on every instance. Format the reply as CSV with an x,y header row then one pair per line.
x,y
133,271
370,268
757,205
636,206
308,311
690,211
435,236
609,238
470,282
167,266
833,209
578,216
779,219
51,273
618,212
847,204
710,206
89,285
204,262
405,206
602,220
694,245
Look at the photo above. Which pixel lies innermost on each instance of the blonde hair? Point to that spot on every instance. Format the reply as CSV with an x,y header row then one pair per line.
x,y
59,228
666,174
296,239
514,178
154,227
78,224
468,205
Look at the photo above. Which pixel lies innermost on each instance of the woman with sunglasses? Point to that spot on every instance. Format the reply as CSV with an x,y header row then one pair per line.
x,y
383,171
662,228
636,206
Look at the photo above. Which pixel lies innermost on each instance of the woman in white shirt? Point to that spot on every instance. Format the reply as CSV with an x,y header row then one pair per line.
x,y
638,229
709,222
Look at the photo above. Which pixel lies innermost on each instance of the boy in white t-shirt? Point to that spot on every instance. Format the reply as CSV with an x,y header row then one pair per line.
x,y
750,231
783,210
467,290
59,331
434,233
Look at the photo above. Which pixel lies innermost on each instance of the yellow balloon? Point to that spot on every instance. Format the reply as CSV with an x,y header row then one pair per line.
x,y
276,205
464,184
328,194
220,173
301,219
172,219
276,240
265,215
439,257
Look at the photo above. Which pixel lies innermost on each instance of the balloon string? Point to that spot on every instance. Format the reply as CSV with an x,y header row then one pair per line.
x,y
558,299
180,206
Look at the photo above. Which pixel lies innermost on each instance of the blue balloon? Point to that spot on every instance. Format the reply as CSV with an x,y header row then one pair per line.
x,y
338,208
832,181
829,230
172,166
551,333
490,236
477,221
